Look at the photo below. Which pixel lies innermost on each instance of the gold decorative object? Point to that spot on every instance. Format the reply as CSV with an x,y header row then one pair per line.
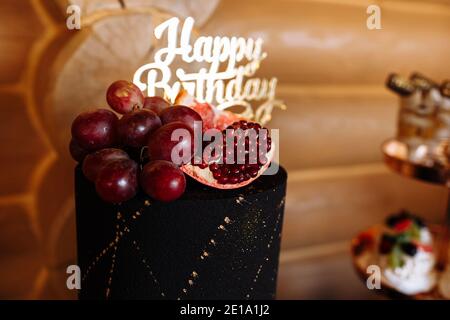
x,y
423,120
419,151
396,158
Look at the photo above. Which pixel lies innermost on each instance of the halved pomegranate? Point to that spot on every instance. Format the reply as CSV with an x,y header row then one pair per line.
x,y
254,147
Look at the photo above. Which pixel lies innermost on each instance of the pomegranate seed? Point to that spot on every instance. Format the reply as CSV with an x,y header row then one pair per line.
x,y
253,173
235,170
223,180
253,155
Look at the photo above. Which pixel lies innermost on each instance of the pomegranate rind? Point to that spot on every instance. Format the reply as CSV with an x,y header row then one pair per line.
x,y
205,176
226,118
207,114
185,99
212,118
205,110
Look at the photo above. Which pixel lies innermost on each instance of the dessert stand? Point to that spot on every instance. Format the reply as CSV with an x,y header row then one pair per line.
x,y
364,254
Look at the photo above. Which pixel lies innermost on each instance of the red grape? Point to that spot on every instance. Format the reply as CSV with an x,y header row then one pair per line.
x,y
124,96
94,162
77,152
134,128
160,143
162,180
156,104
94,130
183,114
117,181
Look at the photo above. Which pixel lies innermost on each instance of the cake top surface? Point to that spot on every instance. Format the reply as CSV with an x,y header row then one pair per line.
x,y
197,191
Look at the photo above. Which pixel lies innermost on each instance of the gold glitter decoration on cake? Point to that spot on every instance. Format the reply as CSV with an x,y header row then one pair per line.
x,y
121,229
282,202
227,220
205,254
147,266
241,200
269,244
111,272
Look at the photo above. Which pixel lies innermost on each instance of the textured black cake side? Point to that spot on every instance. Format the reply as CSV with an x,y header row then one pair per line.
x,y
209,244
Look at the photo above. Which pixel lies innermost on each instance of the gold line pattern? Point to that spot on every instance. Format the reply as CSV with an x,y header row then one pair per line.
x,y
269,244
203,257
123,228
145,262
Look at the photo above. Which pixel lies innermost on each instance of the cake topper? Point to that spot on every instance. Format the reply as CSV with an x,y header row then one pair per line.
x,y
225,81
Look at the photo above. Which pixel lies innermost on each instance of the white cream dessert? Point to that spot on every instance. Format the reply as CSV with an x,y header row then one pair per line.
x,y
406,254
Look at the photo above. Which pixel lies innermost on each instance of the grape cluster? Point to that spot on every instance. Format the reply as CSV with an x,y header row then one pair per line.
x,y
119,154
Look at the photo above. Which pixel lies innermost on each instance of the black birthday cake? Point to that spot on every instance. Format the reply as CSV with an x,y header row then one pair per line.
x,y
176,197
154,223
208,244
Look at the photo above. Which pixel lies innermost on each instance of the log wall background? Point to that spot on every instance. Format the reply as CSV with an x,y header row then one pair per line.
x,y
331,71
